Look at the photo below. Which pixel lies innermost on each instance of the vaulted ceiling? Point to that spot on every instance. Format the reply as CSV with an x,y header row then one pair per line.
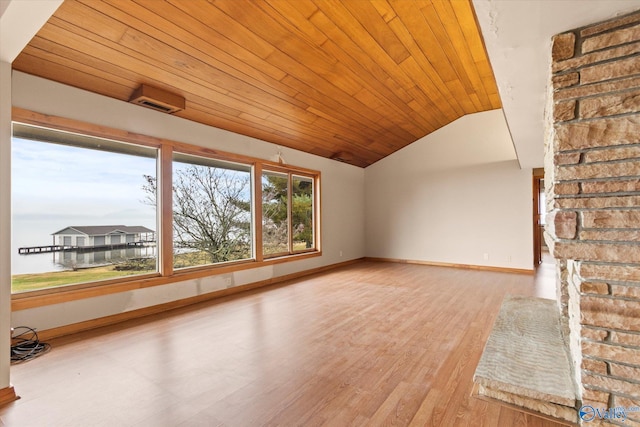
x,y
354,80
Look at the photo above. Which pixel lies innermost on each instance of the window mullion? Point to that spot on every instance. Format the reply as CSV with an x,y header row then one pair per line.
x,y
257,212
316,213
290,211
165,196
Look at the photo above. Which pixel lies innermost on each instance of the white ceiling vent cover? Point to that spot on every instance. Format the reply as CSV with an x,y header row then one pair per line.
x,y
157,99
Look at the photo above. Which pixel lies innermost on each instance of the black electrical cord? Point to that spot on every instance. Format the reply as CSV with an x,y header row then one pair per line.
x,y
25,344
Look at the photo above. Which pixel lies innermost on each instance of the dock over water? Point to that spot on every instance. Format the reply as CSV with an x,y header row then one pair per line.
x,y
27,250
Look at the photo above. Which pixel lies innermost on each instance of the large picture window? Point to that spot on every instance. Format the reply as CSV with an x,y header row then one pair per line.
x,y
78,211
97,206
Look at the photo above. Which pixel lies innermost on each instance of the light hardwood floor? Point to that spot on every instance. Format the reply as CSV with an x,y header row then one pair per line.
x,y
370,344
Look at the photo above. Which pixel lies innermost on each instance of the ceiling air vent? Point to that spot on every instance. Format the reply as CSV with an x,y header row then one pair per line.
x,y
157,99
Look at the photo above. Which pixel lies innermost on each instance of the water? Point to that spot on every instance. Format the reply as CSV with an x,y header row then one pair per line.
x,y
59,261
32,233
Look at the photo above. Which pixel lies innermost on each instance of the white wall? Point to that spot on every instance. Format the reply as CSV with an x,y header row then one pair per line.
x,y
452,197
5,225
20,20
342,195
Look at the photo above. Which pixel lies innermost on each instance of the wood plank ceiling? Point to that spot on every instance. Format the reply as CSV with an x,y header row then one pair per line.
x,y
357,79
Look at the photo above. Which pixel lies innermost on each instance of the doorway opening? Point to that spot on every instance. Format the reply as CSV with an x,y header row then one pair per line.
x,y
540,249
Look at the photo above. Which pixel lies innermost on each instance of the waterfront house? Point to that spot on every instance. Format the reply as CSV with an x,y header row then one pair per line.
x,y
100,235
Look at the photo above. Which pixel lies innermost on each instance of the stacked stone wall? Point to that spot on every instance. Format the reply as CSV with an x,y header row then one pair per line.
x,y
595,196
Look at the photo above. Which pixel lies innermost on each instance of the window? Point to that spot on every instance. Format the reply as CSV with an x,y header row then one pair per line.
x,y
119,207
68,192
287,213
275,213
302,210
211,211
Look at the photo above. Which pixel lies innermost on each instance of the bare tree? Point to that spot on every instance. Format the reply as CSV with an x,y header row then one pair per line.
x,y
211,211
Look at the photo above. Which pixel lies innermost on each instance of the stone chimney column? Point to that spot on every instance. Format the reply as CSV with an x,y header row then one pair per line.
x,y
592,172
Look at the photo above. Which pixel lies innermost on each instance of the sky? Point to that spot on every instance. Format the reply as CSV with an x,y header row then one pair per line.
x,y
52,179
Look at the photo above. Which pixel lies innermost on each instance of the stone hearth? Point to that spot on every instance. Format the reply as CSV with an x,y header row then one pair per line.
x,y
526,360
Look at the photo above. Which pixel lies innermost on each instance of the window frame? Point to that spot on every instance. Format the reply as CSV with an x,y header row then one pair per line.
x,y
290,243
222,163
166,273
314,220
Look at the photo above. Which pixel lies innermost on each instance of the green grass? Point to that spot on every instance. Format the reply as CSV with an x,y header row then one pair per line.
x,y
30,282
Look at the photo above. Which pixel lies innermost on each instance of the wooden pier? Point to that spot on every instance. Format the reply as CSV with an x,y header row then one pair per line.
x,y
63,248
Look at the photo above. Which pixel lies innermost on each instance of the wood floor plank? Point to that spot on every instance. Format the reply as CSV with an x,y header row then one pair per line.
x,y
365,345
